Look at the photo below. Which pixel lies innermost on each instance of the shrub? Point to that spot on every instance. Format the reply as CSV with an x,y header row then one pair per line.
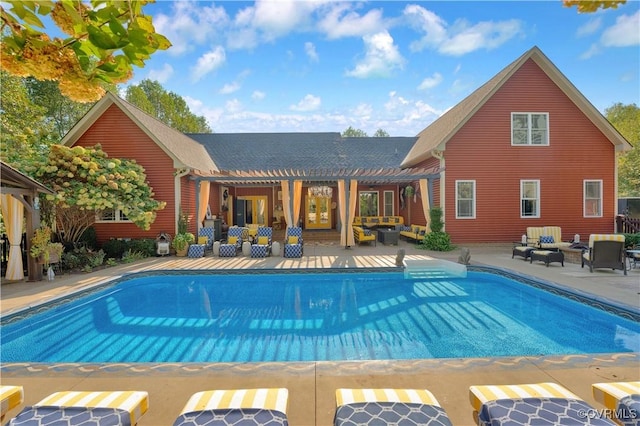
x,y
435,214
114,248
438,241
145,246
632,240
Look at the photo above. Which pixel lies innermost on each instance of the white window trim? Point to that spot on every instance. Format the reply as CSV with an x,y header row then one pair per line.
x,y
584,198
384,202
117,217
529,114
539,209
473,199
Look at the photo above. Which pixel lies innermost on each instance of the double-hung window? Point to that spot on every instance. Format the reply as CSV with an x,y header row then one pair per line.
x,y
388,203
592,198
529,198
529,128
112,215
465,199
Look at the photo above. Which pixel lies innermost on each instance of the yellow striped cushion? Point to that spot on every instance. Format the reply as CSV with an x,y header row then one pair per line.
x,y
135,402
605,237
555,232
418,396
609,394
266,398
534,233
481,394
10,397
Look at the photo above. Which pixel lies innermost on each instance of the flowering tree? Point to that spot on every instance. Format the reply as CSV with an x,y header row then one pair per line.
x,y
105,39
86,182
590,6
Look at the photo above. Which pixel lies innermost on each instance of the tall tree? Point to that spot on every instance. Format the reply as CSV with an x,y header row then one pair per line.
x,y
350,132
105,39
62,112
25,131
167,107
626,119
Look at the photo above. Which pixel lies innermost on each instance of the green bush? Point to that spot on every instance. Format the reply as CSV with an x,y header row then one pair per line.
x,y
82,258
437,241
114,248
144,246
435,214
632,240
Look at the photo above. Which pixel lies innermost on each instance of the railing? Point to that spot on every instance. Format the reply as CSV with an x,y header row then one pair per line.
x,y
627,225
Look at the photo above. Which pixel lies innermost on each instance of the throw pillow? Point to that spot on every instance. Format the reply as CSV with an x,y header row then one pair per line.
x,y
232,240
367,232
263,241
546,239
293,239
203,240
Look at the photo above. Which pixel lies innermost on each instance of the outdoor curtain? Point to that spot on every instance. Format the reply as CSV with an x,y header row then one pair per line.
x,y
342,211
13,215
425,202
297,200
204,201
353,196
286,204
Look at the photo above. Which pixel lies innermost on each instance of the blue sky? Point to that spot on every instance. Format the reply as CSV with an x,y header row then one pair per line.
x,y
302,66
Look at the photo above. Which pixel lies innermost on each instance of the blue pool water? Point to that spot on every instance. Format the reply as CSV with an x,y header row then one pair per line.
x,y
303,317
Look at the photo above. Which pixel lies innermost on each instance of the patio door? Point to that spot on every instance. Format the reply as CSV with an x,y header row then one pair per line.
x,y
255,209
318,212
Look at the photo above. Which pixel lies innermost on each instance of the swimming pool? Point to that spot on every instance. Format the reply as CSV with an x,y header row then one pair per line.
x,y
257,317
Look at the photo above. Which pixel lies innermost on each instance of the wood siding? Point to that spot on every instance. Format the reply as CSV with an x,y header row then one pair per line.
x,y
482,151
122,138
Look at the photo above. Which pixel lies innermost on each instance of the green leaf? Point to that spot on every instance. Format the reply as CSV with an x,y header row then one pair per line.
x,y
72,12
117,28
44,7
100,38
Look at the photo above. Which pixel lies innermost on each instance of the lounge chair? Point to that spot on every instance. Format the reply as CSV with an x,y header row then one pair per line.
x,y
261,246
293,243
621,398
10,398
529,242
605,251
551,239
240,406
539,404
235,237
103,408
206,237
388,406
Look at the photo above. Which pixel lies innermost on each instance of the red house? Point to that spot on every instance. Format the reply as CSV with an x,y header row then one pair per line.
x,y
525,149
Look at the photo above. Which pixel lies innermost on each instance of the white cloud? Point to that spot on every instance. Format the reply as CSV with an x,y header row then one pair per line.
x,y
310,50
229,88
342,21
593,50
589,28
258,95
162,75
625,32
190,24
308,103
381,57
233,106
362,110
208,62
430,82
460,38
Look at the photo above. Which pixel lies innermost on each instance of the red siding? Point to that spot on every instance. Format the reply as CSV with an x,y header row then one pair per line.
x,y
482,151
121,138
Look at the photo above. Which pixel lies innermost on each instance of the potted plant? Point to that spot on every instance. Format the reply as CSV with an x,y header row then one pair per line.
x,y
181,242
46,251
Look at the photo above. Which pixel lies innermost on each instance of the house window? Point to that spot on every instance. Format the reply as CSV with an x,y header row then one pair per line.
x,y
368,203
592,198
465,199
529,128
529,198
111,215
388,203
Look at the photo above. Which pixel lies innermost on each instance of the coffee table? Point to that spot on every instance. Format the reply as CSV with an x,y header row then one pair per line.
x,y
388,236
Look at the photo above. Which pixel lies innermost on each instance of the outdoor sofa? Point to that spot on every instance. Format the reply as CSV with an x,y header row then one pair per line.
x,y
414,232
375,221
363,235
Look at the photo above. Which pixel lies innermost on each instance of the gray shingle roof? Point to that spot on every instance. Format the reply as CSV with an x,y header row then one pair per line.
x,y
308,151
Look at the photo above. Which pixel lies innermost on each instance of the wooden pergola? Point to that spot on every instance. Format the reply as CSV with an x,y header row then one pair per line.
x,y
24,190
